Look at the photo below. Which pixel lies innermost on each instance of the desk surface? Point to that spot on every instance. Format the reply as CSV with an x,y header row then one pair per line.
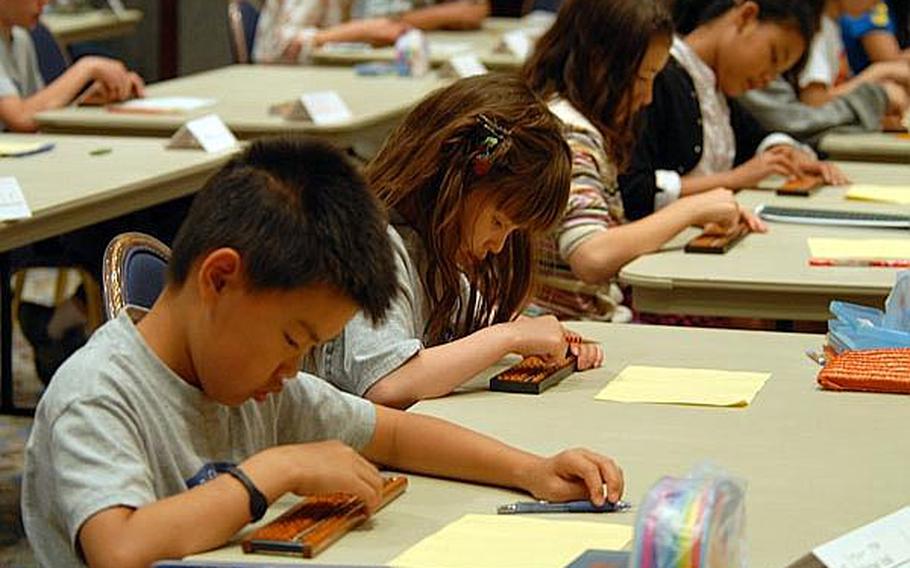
x,y
872,147
817,464
244,94
90,24
768,276
67,188
482,43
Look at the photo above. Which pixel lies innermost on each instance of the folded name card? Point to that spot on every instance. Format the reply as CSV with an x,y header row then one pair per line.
x,y
321,108
208,133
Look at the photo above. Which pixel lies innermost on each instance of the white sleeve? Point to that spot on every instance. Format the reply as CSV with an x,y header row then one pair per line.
x,y
670,185
781,139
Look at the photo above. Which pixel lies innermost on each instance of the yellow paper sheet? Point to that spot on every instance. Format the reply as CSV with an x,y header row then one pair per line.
x,y
862,249
885,193
494,541
667,385
19,148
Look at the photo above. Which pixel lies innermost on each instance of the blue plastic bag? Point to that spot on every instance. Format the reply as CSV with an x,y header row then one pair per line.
x,y
861,327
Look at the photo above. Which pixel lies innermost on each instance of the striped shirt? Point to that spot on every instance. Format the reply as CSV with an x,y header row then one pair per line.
x,y
595,205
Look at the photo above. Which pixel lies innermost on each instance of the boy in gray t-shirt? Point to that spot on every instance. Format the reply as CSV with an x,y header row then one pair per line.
x,y
165,437
23,93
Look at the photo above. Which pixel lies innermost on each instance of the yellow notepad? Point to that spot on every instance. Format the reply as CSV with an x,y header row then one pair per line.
x,y
667,385
860,249
885,193
494,541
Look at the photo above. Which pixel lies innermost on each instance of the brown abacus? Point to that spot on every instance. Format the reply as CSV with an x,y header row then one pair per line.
x,y
316,522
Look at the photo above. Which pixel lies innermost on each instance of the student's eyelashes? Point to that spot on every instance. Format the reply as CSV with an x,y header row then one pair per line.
x,y
290,341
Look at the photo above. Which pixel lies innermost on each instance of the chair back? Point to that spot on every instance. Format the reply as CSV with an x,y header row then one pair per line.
x,y
52,60
135,265
242,20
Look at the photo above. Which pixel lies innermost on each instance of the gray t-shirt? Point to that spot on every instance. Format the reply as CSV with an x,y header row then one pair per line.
x,y
20,75
117,427
365,353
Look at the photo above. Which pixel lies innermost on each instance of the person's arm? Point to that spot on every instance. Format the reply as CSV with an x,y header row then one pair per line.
x,y
437,371
456,15
882,46
779,109
421,444
19,113
122,537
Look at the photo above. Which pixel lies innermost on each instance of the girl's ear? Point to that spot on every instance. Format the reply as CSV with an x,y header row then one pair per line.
x,y
746,14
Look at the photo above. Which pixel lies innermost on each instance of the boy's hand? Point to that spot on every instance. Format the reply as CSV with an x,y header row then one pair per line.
x,y
329,467
116,80
575,475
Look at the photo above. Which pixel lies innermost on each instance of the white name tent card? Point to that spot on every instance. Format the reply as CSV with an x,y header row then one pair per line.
x,y
462,66
12,202
320,107
518,43
884,543
208,132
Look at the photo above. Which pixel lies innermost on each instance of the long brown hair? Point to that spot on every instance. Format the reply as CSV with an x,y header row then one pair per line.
x,y
429,165
591,57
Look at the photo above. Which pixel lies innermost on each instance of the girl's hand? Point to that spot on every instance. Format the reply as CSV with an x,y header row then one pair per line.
x,y
587,355
543,336
809,165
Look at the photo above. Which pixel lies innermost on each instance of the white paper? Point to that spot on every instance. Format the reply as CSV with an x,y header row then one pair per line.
x,y
12,201
168,104
467,65
326,107
518,43
208,132
884,543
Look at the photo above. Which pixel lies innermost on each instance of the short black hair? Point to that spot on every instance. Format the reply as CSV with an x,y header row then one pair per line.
x,y
298,213
803,14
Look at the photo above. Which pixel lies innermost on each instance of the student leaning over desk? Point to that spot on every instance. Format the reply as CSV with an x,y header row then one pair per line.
x,y
474,177
289,30
695,138
265,268
23,93
595,68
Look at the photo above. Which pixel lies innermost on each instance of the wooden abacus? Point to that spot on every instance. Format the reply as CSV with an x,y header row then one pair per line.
x,y
316,522
801,186
709,243
533,375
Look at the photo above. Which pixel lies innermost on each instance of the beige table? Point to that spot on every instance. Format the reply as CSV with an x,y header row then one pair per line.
x,y
483,43
817,464
768,276
876,147
90,25
67,188
244,94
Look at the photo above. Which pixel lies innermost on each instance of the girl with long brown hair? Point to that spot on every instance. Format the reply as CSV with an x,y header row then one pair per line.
x,y
595,68
472,178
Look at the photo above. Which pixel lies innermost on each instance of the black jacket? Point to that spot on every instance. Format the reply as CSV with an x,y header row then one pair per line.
x,y
671,138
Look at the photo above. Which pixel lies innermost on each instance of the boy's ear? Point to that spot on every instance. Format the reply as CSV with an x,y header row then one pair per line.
x,y
220,269
746,14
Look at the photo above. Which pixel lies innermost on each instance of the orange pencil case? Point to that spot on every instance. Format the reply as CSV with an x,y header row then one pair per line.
x,y
872,370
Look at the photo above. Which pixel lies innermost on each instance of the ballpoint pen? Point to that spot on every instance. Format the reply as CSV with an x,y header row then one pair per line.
x,y
523,507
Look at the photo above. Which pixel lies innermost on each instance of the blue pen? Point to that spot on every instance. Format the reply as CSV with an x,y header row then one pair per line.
x,y
522,507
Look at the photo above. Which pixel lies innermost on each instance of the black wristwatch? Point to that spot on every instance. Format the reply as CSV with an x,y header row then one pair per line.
x,y
258,503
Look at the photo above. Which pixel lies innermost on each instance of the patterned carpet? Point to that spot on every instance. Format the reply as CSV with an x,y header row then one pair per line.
x,y
14,549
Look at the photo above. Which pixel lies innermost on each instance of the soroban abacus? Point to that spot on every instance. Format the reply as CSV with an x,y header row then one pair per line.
x,y
311,526
533,375
710,243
